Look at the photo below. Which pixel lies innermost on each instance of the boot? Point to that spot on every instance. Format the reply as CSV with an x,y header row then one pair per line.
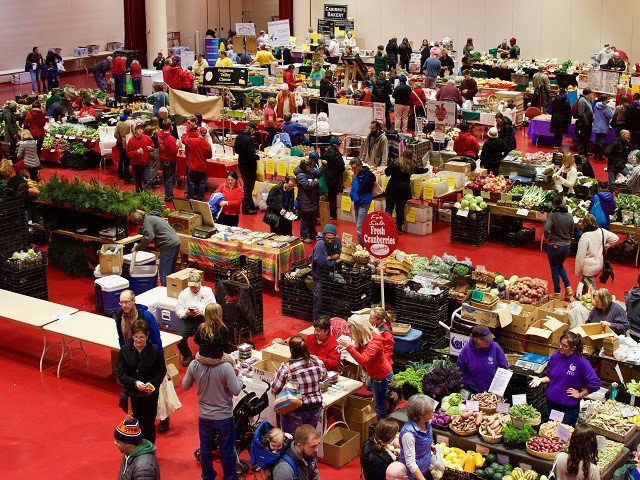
x,y
163,426
568,293
555,296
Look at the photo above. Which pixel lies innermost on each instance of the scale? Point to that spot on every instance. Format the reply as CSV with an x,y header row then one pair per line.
x,y
532,362
204,231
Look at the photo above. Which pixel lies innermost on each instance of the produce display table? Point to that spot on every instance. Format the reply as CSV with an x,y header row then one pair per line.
x,y
539,127
207,251
32,312
517,457
94,329
215,168
617,227
507,211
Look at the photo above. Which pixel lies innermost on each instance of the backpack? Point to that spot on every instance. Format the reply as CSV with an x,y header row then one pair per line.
x,y
261,456
574,109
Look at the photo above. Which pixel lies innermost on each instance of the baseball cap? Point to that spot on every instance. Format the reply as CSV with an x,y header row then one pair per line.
x,y
482,332
194,280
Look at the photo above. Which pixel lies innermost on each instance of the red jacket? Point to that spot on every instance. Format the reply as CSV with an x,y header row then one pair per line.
x,y
172,77
119,66
185,79
629,96
135,70
166,74
35,122
387,343
234,197
372,357
134,144
326,351
167,147
289,79
417,97
466,145
198,151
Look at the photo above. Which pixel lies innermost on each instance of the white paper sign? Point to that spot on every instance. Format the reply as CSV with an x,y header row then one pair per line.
x,y
502,407
556,416
462,213
563,433
279,33
473,406
602,442
187,57
522,211
519,399
441,112
246,29
500,381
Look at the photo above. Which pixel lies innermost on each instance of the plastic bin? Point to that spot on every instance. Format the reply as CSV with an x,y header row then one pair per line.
x,y
166,314
407,343
142,259
143,279
108,290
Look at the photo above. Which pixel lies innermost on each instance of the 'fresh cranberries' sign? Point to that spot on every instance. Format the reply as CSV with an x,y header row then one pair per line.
x,y
379,234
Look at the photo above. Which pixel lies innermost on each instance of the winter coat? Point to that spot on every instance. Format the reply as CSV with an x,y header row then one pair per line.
x,y
402,94
379,63
424,54
633,311
327,91
617,154
590,256
362,187
321,253
382,92
508,134
375,150
602,115
167,147
335,167
275,199
246,150
449,93
10,126
142,464
307,182
392,53
585,111
238,305
466,145
405,51
147,366
603,205
35,121
493,151
560,110
143,313
632,117
374,464
28,151
233,197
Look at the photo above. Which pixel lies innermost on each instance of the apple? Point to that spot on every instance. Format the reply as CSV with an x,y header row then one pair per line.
x,y
499,279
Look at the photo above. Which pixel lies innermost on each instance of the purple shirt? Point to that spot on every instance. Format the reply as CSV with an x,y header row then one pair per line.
x,y
478,365
573,371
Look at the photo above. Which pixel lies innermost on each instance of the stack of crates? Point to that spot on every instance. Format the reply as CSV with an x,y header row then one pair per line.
x,y
25,276
346,287
237,269
13,225
297,299
472,229
520,384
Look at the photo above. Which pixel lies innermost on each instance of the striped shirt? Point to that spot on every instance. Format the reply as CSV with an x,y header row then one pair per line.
x,y
309,378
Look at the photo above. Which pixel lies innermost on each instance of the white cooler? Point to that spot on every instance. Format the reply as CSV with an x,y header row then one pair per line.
x,y
108,290
142,259
151,298
166,314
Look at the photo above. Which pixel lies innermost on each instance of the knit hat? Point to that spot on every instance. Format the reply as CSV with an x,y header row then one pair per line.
x,y
19,166
314,156
638,154
123,117
335,141
402,79
330,228
128,432
251,125
493,132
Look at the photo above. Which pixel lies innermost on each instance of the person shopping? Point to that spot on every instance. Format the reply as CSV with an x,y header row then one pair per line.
x,y
376,452
580,461
368,350
592,246
309,373
333,174
565,177
559,231
493,151
398,191
608,313
326,253
280,201
479,360
381,320
560,110
233,195
570,378
192,302
361,192
416,437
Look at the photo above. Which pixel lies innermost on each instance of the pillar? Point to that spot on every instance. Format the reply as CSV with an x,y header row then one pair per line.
x,y
156,17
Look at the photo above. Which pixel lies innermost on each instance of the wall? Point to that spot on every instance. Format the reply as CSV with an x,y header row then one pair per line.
x,y
52,23
544,28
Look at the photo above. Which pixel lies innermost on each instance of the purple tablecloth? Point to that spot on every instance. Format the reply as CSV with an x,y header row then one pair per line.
x,y
539,133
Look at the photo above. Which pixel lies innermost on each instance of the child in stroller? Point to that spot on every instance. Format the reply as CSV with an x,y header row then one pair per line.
x,y
268,446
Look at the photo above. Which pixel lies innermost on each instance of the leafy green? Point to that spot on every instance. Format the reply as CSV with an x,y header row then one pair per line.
x,y
514,436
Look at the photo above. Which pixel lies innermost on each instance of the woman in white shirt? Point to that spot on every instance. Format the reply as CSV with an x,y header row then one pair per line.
x,y
349,41
565,177
590,255
580,462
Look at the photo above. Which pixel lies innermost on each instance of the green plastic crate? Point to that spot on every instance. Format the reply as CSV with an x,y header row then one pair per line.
x,y
256,80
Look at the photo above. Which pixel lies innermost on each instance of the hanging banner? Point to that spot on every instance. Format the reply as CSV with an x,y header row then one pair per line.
x,y
211,49
350,119
188,103
441,112
335,12
225,77
279,33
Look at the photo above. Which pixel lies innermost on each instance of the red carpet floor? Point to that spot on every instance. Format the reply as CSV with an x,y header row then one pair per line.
x,y
63,428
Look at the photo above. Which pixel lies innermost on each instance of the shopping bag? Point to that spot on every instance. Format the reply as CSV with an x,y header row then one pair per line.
x,y
128,87
288,399
323,189
168,401
436,464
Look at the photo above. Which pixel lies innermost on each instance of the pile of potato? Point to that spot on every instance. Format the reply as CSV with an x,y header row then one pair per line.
x,y
491,425
466,423
487,401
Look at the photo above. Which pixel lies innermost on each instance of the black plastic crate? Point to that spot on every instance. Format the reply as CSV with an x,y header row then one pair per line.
x,y
37,291
14,242
11,205
9,264
296,298
521,237
341,307
31,276
472,229
81,162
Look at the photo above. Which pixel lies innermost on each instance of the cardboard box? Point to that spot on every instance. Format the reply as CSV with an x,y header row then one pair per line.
x,y
344,214
266,370
458,179
453,166
111,263
185,222
340,446
444,215
608,370
547,331
418,228
594,334
177,282
169,351
424,213
520,322
93,49
476,173
172,371
80,51
498,317
549,309
276,352
173,361
360,413
521,344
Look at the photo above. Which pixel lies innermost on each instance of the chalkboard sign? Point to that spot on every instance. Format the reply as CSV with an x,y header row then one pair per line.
x,y
603,81
347,25
325,26
225,77
335,12
328,27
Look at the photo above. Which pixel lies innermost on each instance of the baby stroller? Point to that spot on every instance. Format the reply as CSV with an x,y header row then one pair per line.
x,y
261,457
248,407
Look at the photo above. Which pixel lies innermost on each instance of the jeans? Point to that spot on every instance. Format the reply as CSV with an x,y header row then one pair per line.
x,y
308,225
100,81
225,432
36,80
612,173
119,86
123,163
169,175
317,298
167,262
196,185
399,205
145,409
430,82
379,389
557,255
571,414
401,117
557,139
333,200
137,85
142,177
361,212
248,176
290,421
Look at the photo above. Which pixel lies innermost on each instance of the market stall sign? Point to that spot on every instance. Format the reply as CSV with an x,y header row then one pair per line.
x,y
456,342
335,12
325,26
379,234
441,112
246,29
225,77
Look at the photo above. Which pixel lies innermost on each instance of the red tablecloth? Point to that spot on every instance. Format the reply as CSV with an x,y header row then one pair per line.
x,y
215,168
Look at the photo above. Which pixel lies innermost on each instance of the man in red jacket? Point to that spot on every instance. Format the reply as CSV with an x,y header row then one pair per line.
x,y
198,151
288,77
119,73
167,152
138,149
35,121
324,345
466,144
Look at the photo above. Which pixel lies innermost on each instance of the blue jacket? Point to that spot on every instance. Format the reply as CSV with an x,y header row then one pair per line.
x,y
603,205
362,186
295,131
154,331
432,67
321,252
602,115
